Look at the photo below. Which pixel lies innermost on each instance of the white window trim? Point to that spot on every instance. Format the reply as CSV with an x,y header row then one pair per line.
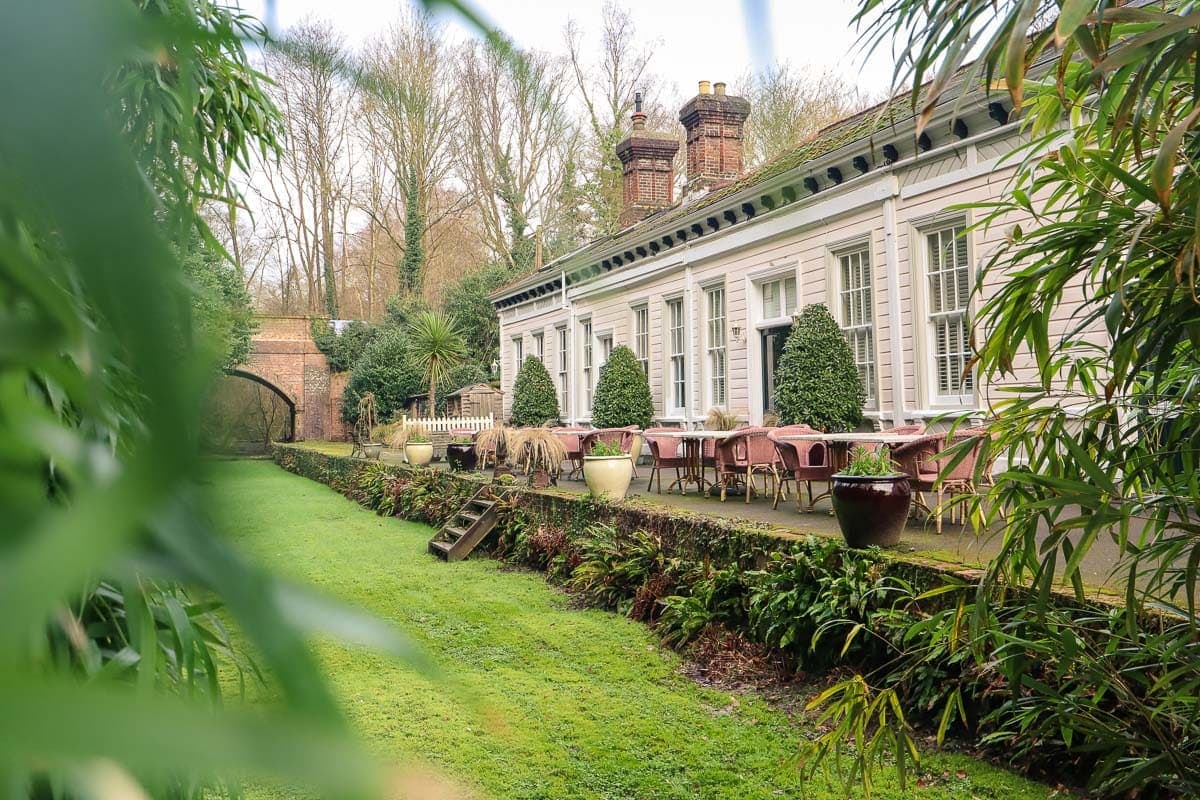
x,y
710,350
670,410
587,374
562,354
761,320
833,274
518,344
635,310
929,402
539,345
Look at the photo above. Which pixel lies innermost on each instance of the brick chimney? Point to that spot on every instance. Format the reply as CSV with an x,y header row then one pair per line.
x,y
714,122
647,169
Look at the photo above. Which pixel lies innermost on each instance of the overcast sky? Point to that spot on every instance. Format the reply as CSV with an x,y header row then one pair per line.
x,y
696,39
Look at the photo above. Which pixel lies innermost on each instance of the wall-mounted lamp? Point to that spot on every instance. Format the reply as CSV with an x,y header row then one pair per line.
x,y
738,334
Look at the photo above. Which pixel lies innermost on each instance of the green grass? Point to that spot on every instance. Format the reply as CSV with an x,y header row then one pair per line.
x,y
539,699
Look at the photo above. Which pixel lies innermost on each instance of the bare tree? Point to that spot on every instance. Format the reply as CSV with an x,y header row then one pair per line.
x,y
516,142
308,186
606,88
408,113
789,105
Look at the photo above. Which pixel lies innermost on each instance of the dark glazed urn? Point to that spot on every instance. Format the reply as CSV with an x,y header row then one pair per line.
x,y
461,457
871,510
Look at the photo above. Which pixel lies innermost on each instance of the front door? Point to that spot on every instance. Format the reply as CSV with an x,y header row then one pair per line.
x,y
773,340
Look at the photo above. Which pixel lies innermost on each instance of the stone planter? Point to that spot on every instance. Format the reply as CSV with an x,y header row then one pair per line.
x,y
419,454
608,476
461,457
372,450
871,510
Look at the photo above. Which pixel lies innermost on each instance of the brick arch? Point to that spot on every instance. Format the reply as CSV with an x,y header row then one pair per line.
x,y
284,358
289,400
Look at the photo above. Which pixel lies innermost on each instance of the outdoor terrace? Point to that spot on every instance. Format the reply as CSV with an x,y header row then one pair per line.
x,y
957,544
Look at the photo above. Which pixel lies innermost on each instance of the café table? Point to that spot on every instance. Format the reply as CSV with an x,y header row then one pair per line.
x,y
693,457
840,443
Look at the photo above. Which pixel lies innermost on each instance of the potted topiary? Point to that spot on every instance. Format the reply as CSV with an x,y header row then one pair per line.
x,y
817,383
871,499
607,471
622,397
460,454
534,400
542,453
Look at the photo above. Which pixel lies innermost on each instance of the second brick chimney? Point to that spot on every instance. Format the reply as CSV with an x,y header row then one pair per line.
x,y
647,169
714,122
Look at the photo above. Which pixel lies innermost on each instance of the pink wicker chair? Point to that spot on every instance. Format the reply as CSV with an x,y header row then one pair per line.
x,y
572,439
743,455
800,461
618,437
920,461
667,453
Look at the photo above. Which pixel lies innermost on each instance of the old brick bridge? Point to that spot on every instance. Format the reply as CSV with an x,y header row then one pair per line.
x,y
284,358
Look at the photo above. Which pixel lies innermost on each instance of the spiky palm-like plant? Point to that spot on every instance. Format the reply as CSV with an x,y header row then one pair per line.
x,y
436,347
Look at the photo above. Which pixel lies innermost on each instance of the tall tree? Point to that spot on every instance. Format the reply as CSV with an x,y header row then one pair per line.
x,y
789,105
515,141
606,85
409,114
308,185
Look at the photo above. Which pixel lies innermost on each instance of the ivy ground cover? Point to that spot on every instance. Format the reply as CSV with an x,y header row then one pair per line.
x,y
537,698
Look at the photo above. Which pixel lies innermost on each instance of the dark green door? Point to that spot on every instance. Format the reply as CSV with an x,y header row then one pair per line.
x,y
773,340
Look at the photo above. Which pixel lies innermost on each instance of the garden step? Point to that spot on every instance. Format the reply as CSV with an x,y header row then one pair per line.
x,y
454,543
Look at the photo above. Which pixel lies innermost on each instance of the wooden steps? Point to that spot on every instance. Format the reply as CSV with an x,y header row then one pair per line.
x,y
466,530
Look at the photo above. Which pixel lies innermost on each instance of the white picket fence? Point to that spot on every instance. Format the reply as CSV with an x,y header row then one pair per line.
x,y
447,424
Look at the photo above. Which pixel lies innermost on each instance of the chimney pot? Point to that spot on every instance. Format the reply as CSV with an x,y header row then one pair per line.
x,y
705,87
647,168
719,88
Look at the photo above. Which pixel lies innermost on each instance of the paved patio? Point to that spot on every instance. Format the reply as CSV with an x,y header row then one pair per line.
x,y
957,544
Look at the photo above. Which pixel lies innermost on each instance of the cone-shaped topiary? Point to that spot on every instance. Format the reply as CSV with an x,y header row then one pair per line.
x,y
622,393
534,401
817,382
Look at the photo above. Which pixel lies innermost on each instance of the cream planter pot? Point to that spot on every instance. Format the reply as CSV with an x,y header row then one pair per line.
x,y
418,454
608,476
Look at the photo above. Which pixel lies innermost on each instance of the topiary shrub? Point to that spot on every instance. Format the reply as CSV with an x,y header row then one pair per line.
x,y
622,393
386,369
817,382
534,401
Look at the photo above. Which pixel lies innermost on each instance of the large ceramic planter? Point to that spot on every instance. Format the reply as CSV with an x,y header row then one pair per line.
x,y
608,476
419,454
461,457
871,510
372,450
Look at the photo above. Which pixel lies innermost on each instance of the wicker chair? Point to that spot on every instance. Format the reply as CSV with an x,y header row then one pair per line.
x,y
621,438
666,452
572,439
920,461
743,455
800,461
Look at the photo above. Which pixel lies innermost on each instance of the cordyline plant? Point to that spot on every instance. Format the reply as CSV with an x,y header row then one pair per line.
x,y
1101,442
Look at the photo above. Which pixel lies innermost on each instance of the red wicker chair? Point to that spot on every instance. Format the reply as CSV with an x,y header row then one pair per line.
x,y
667,453
800,461
572,439
920,461
617,437
744,454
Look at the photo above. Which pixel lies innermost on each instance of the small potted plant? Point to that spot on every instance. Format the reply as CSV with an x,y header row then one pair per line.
x,y
871,499
542,454
607,471
460,454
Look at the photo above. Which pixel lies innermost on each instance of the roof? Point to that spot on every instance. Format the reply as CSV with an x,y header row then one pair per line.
x,y
861,127
472,387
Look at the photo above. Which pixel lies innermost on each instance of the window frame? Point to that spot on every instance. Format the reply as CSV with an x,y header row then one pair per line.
x,y
518,343
641,336
716,346
564,382
539,345
866,326
586,364
925,323
675,388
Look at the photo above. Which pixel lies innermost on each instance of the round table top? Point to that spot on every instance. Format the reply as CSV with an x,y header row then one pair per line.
x,y
698,434
883,437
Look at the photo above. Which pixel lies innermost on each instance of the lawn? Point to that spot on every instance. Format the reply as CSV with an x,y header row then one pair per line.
x,y
539,699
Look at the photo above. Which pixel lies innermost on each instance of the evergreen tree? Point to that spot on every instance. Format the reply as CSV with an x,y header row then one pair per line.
x,y
817,383
534,401
622,393
413,266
